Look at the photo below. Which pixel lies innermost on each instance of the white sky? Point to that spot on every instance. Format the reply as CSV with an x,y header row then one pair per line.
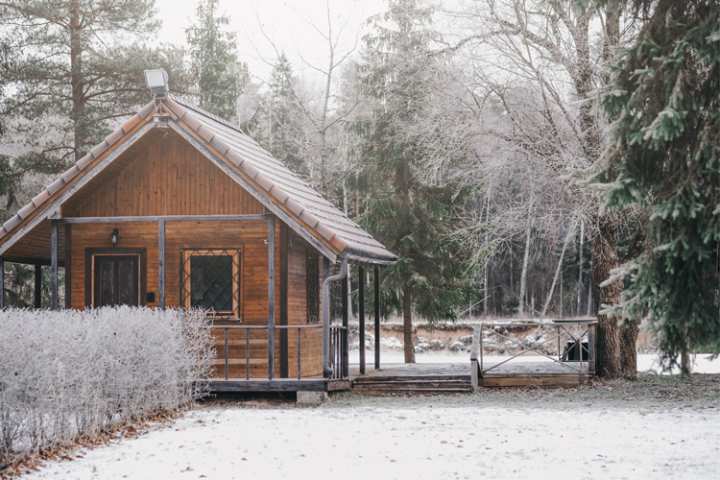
x,y
286,22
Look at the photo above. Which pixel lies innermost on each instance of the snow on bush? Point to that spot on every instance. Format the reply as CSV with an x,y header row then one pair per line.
x,y
70,373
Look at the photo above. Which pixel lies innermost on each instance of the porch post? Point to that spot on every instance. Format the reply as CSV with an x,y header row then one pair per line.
x,y
54,280
37,294
2,281
376,304
345,317
284,246
271,295
361,316
161,263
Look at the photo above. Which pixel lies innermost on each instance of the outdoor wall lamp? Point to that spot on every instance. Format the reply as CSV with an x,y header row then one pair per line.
x,y
115,237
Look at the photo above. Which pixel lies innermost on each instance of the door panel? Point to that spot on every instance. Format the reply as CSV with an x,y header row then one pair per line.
x,y
117,280
127,285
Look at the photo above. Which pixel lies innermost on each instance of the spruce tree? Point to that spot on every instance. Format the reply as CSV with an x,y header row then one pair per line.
x,y
218,76
412,217
80,64
278,122
665,160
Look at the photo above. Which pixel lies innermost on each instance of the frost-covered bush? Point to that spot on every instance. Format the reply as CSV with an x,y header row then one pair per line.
x,y
73,373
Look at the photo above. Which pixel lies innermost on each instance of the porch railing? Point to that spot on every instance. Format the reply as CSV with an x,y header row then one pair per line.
x,y
339,354
568,345
241,352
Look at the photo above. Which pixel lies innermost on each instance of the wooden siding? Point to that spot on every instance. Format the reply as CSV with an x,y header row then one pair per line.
x,y
162,175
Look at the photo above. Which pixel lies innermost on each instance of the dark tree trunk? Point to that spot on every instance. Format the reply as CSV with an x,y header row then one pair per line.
x,y
628,348
608,332
78,98
408,346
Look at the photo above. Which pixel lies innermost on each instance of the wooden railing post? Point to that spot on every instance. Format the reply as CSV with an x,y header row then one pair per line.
x,y
161,266
474,367
376,304
361,316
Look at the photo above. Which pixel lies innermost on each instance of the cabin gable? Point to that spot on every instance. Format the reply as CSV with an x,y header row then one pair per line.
x,y
161,175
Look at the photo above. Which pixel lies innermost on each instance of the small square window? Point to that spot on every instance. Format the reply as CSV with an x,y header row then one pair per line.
x,y
211,281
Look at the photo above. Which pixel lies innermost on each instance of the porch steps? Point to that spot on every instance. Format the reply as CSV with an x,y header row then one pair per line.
x,y
406,384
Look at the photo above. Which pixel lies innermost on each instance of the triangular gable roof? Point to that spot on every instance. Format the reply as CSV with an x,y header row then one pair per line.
x,y
280,190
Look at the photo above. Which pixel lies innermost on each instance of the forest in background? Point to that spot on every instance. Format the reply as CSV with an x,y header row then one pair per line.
x,y
494,145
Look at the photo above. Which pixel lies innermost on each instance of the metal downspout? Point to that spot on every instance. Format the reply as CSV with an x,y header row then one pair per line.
x,y
326,314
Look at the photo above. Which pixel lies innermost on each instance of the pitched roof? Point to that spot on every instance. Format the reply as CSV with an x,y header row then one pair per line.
x,y
278,188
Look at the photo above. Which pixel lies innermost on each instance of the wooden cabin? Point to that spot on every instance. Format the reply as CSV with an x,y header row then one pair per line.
x,y
178,208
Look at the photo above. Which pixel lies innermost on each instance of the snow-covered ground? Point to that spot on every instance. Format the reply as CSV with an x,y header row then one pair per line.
x,y
459,437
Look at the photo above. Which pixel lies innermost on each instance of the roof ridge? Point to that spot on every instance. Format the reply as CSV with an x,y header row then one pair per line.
x,y
209,115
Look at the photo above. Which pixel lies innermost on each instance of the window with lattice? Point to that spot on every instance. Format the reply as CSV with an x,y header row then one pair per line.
x,y
211,281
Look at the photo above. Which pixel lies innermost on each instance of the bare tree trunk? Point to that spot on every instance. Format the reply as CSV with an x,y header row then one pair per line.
x,y
486,267
608,331
408,346
78,98
580,268
566,242
526,258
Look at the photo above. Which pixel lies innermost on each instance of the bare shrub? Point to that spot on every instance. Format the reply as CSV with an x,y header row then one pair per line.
x,y
70,373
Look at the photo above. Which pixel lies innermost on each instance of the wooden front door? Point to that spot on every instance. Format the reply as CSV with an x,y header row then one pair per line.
x,y
116,279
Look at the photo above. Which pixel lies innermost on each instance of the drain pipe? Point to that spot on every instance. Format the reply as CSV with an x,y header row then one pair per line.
x,y
326,314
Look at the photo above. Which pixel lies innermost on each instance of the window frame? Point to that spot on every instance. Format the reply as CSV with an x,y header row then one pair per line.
x,y
235,254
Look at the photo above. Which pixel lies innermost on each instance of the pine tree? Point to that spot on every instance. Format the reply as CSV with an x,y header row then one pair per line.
x,y
278,123
81,63
409,215
218,76
665,159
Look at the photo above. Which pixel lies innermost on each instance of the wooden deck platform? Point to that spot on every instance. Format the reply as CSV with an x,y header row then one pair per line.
x,y
456,377
241,385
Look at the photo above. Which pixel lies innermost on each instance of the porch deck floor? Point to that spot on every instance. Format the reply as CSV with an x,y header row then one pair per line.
x,y
519,372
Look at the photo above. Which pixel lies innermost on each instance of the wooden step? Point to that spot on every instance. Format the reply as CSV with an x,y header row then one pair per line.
x,y
376,391
413,384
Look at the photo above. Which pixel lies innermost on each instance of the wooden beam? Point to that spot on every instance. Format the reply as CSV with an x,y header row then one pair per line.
x,y
284,246
2,282
271,295
29,260
376,304
68,265
161,263
278,385
37,293
165,218
361,316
